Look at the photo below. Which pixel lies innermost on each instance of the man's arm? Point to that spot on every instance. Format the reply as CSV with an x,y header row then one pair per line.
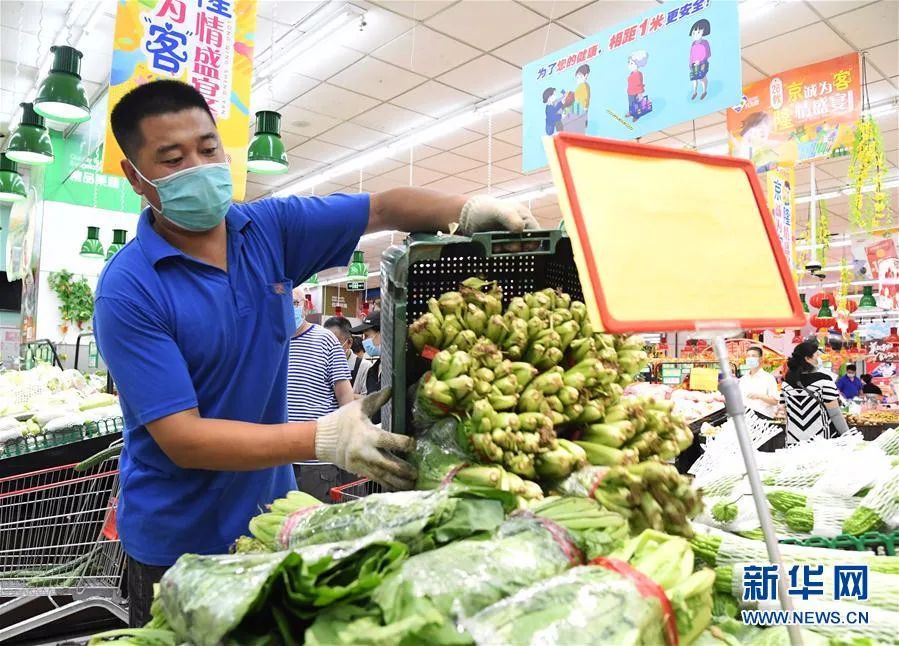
x,y
420,209
192,442
343,391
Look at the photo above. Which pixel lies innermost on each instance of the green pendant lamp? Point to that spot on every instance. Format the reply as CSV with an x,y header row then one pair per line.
x,y
118,241
61,96
30,143
91,247
825,311
867,301
357,269
804,304
266,155
312,280
12,186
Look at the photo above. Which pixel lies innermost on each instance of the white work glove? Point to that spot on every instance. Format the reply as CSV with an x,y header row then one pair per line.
x,y
483,213
348,439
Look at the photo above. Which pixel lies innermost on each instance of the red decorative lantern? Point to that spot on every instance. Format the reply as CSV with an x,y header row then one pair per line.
x,y
824,319
338,311
797,337
364,310
817,300
852,326
851,305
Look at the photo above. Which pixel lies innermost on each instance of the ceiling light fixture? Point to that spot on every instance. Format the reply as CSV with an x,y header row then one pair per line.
x,y
417,137
12,186
829,195
266,154
61,96
30,142
314,28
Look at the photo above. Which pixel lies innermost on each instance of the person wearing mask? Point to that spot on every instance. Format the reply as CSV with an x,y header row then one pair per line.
x,y
870,388
849,385
340,327
370,329
193,318
318,378
758,386
810,398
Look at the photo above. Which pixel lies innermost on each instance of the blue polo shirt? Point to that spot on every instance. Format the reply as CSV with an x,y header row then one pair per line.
x,y
177,333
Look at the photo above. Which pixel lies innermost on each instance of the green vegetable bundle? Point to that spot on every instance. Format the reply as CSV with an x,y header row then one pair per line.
x,y
878,506
716,547
518,378
422,601
609,602
634,430
650,495
241,598
418,519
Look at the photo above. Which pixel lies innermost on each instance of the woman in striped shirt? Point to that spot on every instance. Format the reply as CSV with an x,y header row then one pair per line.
x,y
810,397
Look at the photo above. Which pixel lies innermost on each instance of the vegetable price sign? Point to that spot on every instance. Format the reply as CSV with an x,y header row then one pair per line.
x,y
207,44
356,286
676,62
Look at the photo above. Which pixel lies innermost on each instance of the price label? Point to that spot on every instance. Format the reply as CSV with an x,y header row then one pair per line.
x,y
704,379
356,286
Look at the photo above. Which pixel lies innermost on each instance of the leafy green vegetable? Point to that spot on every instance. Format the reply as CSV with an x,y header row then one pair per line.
x,y
242,598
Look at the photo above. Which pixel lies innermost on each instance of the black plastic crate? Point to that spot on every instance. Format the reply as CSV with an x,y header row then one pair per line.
x,y
426,266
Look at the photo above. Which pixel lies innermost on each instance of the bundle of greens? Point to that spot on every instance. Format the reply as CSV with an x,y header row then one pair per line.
x,y
879,505
716,547
136,637
647,593
650,495
270,598
419,519
422,601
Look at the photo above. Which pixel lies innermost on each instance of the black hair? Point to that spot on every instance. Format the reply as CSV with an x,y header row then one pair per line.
x,y
867,378
357,345
753,120
340,325
583,69
548,92
702,24
149,100
797,364
786,183
757,349
851,367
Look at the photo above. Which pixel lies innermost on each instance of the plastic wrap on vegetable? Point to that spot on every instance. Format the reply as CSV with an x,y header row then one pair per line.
x,y
647,593
422,601
419,519
239,598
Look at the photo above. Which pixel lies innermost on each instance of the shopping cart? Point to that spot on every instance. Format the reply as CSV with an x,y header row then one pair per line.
x,y
354,490
58,538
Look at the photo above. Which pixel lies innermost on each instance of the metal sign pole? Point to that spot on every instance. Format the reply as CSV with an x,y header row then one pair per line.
x,y
733,401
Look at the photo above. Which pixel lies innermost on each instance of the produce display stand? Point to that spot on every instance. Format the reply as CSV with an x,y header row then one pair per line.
x,y
110,386
39,351
603,179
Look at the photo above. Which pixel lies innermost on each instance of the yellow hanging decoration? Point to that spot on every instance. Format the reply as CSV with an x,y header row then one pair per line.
x,y
868,165
803,255
822,236
845,279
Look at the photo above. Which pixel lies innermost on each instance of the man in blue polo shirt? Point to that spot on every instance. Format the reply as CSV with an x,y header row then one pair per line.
x,y
193,318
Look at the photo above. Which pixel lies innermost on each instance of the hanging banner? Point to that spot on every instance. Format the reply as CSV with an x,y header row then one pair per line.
x,y
781,182
207,43
796,116
672,64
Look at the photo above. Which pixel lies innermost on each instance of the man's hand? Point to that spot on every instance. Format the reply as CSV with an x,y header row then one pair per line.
x,y
484,213
347,438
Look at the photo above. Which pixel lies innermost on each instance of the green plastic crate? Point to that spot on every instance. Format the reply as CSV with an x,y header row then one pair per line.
x,y
882,543
34,443
429,265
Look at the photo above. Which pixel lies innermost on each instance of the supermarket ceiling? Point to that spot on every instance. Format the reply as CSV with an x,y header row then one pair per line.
x,y
416,64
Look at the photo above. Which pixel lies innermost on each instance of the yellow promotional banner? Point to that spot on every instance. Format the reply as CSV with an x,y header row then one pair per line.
x,y
704,379
206,43
781,182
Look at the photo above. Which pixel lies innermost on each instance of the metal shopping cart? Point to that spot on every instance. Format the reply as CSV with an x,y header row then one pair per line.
x,y
354,490
58,538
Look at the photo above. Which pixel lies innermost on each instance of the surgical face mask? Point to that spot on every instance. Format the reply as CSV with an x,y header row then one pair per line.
x,y
298,315
370,348
752,362
196,198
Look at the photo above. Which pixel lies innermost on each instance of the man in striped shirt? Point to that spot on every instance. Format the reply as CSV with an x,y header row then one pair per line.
x,y
318,377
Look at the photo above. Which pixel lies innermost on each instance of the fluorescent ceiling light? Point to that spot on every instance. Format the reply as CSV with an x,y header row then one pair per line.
x,y
880,110
832,245
829,195
752,9
854,283
310,31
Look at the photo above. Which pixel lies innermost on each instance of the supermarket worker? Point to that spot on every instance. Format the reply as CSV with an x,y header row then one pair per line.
x,y
193,319
758,386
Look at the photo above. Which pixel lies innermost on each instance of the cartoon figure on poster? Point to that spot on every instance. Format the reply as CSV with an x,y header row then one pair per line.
x,y
888,275
700,53
755,142
638,103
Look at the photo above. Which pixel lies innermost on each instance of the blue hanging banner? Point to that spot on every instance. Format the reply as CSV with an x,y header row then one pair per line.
x,y
669,65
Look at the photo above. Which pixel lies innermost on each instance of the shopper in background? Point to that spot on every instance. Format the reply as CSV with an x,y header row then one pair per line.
x,y
358,349
870,388
318,378
810,397
849,385
193,319
370,329
758,386
340,327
